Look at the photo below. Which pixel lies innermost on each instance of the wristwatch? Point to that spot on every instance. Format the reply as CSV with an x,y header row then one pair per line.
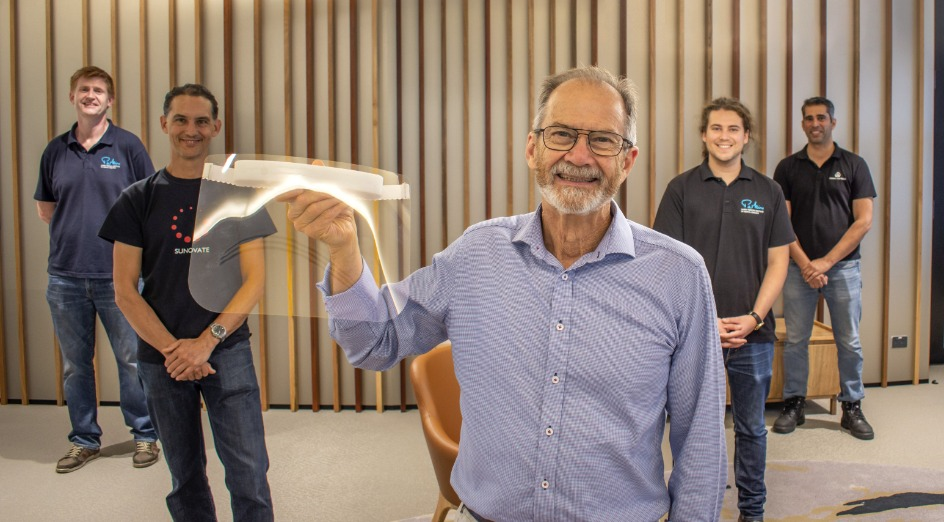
x,y
760,322
219,331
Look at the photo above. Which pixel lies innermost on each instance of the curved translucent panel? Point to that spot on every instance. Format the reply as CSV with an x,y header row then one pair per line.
x,y
237,196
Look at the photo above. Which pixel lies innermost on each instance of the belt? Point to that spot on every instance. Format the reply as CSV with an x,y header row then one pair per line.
x,y
468,511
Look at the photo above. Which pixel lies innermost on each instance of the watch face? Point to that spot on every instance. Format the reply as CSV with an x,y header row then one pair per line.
x,y
218,331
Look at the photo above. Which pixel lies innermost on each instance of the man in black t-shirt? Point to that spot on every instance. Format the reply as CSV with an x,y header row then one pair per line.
x,y
187,351
736,218
829,194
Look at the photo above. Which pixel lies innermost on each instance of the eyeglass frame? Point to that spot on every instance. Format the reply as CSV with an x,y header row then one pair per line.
x,y
625,141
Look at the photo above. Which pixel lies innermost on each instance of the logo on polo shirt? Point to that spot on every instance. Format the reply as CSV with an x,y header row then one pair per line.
x,y
837,177
110,163
749,206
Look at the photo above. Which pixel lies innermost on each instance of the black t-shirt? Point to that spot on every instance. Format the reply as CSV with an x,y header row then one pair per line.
x,y
732,227
821,197
158,215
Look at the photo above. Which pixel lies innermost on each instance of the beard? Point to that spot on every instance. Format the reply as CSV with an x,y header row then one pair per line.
x,y
575,200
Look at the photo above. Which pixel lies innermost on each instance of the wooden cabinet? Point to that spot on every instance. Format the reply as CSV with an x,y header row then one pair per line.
x,y
823,380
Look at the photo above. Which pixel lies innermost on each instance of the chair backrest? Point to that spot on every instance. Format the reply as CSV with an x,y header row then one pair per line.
x,y
437,396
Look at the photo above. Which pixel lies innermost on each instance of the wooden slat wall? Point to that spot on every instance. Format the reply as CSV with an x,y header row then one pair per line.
x,y
461,100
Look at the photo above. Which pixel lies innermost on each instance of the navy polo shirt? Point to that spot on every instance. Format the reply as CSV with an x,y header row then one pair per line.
x,y
732,227
84,184
821,197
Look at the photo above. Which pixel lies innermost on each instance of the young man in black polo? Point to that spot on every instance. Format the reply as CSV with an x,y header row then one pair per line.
x,y
736,218
829,195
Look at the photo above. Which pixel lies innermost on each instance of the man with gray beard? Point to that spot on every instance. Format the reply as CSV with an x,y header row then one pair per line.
x,y
574,331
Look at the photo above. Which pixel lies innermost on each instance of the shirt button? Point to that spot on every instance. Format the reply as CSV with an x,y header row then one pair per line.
x,y
549,431
555,379
564,277
560,327
545,484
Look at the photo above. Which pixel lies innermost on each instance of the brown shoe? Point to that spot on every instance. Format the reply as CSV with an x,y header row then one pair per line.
x,y
145,453
76,458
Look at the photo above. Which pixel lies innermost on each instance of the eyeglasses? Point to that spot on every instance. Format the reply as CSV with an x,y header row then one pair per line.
x,y
602,143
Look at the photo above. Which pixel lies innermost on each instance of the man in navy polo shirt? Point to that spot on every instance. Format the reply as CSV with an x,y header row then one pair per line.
x,y
736,218
829,194
81,174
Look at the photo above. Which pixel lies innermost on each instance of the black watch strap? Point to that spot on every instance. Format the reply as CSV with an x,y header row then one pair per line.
x,y
760,322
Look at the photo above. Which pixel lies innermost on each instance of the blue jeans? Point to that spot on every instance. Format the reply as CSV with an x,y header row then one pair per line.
x,y
235,413
843,295
749,371
74,303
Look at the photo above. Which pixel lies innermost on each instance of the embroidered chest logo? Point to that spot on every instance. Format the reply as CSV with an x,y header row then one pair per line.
x,y
837,177
749,206
110,163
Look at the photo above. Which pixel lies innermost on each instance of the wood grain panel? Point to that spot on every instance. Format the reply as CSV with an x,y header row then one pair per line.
x,y
443,127
919,187
172,43
856,70
709,52
822,48
788,88
680,87
762,92
355,111
313,271
198,41
50,134
887,191
623,68
86,50
487,29
421,103
552,36
594,42
332,154
509,112
531,93
652,111
143,69
375,145
17,212
114,61
229,120
466,181
287,80
736,49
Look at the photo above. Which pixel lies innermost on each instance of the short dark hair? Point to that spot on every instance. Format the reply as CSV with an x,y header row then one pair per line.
x,y
592,74
819,100
191,89
90,71
727,104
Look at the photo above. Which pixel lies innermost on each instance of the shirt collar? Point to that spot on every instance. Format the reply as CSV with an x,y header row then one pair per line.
x,y
706,174
106,139
837,150
618,238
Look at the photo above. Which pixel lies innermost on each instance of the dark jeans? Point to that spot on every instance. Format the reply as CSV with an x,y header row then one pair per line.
x,y
749,372
73,303
235,413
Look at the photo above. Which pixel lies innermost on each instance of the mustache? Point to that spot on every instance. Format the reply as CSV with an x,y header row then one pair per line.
x,y
572,171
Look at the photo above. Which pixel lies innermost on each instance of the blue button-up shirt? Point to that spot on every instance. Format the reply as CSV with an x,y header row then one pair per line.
x,y
566,375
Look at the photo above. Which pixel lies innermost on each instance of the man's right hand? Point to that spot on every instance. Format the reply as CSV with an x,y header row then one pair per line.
x,y
321,217
818,282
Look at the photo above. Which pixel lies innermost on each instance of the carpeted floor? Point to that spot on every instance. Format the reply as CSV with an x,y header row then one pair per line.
x,y
368,467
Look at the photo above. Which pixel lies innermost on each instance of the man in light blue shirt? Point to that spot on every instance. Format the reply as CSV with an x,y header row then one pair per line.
x,y
574,332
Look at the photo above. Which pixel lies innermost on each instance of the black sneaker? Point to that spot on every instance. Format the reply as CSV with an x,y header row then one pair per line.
x,y
76,458
791,416
854,420
145,453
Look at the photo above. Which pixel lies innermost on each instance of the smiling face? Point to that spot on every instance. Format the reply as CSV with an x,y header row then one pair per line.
x,y
818,125
725,136
579,181
90,97
190,125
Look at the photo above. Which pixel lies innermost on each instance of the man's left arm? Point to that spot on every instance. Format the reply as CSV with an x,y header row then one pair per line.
x,y
696,391
862,215
189,354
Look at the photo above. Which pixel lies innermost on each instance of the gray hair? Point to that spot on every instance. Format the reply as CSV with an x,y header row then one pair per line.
x,y
592,74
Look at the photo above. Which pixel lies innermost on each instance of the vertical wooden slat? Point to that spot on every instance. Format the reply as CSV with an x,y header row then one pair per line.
x,y
421,103
229,121
573,33
86,51
466,181
822,47
50,133
531,93
142,64
552,35
623,68
651,139
375,142
172,42
355,106
709,52
736,49
509,113
15,190
443,126
313,272
762,91
289,229
198,41
332,154
594,43
680,88
488,109
887,195
788,87
919,187
403,254
114,60
856,68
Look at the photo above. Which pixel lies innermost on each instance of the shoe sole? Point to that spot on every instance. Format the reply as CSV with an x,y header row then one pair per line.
x,y
80,466
146,464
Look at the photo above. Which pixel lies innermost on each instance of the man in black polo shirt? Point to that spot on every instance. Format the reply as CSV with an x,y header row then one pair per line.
x,y
829,194
736,218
